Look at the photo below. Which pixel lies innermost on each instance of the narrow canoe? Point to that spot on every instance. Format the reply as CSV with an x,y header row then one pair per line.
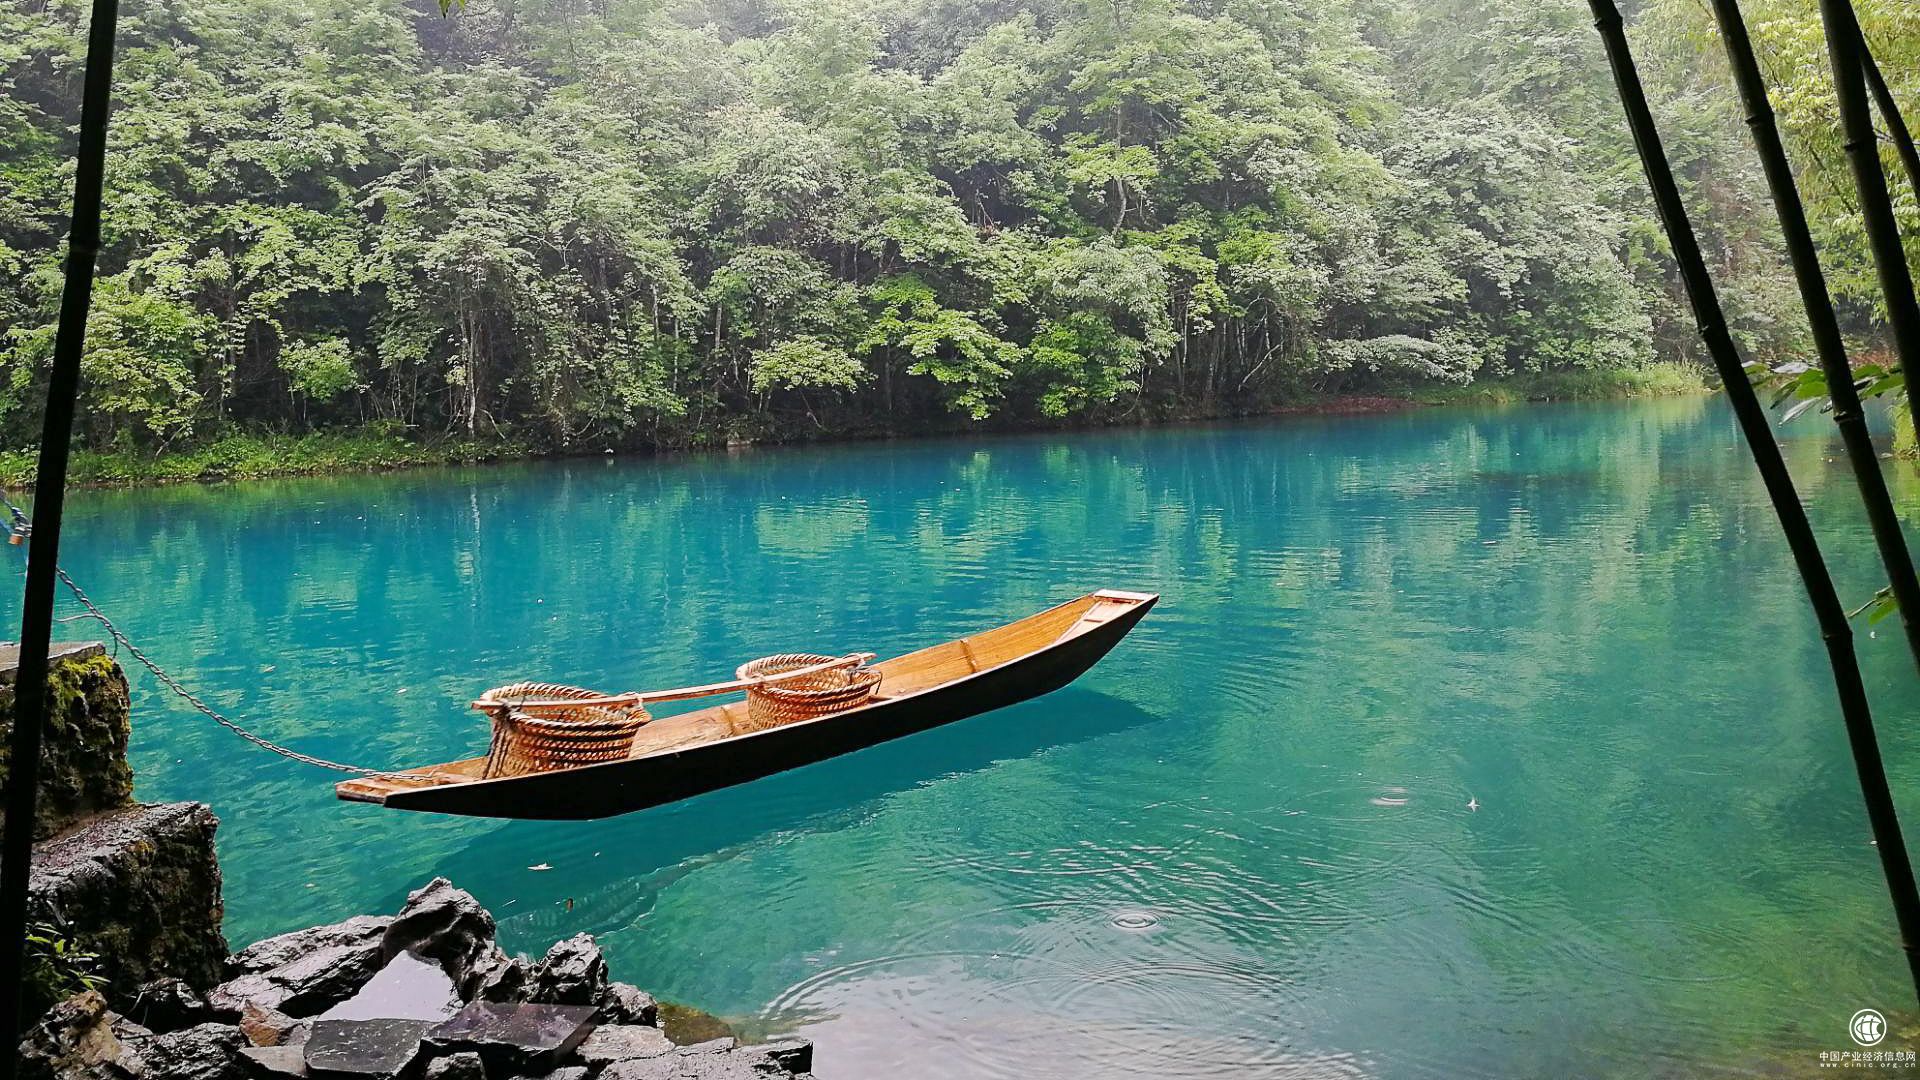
x,y
677,757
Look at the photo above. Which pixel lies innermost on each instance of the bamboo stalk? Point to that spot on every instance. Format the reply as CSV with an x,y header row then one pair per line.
x,y
1834,630
1846,48
1890,113
1827,339
50,480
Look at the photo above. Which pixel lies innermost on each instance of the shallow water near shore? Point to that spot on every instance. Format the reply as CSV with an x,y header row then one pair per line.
x,y
1489,743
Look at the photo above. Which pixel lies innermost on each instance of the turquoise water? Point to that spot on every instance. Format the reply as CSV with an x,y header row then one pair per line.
x,y
1246,844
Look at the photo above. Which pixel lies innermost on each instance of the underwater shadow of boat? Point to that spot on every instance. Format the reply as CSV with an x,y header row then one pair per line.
x,y
605,872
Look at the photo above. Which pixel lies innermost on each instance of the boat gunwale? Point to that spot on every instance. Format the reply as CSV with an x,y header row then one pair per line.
x,y
1066,636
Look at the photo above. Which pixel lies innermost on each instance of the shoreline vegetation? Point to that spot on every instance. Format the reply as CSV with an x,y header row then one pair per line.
x,y
367,237
244,455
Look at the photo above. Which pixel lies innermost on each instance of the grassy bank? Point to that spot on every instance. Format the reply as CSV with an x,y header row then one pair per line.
x,y
1651,380
245,455
251,456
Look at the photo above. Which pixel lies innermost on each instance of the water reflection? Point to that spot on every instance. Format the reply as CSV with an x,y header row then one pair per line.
x,y
1241,846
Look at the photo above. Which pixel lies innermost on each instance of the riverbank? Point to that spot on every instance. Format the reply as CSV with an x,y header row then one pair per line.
x,y
256,456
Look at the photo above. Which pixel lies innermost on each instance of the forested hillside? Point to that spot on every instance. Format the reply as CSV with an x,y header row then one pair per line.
x,y
660,222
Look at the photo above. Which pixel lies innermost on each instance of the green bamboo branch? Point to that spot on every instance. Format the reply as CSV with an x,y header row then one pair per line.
x,y
1828,342
1835,630
1846,49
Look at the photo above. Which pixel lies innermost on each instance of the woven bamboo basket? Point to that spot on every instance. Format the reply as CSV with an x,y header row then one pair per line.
x,y
826,691
537,728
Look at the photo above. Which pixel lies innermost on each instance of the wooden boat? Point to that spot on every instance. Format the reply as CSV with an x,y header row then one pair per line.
x,y
677,757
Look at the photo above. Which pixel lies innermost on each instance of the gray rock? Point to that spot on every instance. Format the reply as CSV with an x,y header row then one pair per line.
x,y
408,988
793,1055
619,1042
740,1064
272,1062
624,1004
711,1046
464,1066
572,973
358,935
376,1048
449,927
79,1039
167,1004
504,979
140,887
305,972
202,1052
567,1072
516,1037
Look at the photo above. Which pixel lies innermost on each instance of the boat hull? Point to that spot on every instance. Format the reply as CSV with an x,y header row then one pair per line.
x,y
620,787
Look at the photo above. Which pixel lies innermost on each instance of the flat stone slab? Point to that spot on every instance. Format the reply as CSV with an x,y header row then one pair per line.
x,y
516,1035
58,651
364,1047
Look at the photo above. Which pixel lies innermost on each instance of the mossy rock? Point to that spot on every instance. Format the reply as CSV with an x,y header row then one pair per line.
x,y
83,753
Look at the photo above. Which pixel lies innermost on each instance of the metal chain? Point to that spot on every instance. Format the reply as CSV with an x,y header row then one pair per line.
x,y
23,525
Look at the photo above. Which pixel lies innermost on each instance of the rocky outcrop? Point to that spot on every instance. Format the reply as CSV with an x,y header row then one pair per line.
x,y
398,998
83,753
139,887
305,972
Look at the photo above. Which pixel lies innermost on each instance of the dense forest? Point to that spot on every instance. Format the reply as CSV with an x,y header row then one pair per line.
x,y
579,223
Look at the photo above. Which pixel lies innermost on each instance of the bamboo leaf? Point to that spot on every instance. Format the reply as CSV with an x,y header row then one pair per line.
x,y
1803,407
1877,607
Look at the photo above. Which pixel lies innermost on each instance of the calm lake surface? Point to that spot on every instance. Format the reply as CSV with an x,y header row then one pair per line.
x,y
1241,846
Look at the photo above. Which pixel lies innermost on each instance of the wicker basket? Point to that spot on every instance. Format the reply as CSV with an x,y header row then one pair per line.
x,y
535,729
827,691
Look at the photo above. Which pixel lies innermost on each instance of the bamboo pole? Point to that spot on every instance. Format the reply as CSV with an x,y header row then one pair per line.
x,y
1827,339
1847,51
43,552
1890,113
1834,630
